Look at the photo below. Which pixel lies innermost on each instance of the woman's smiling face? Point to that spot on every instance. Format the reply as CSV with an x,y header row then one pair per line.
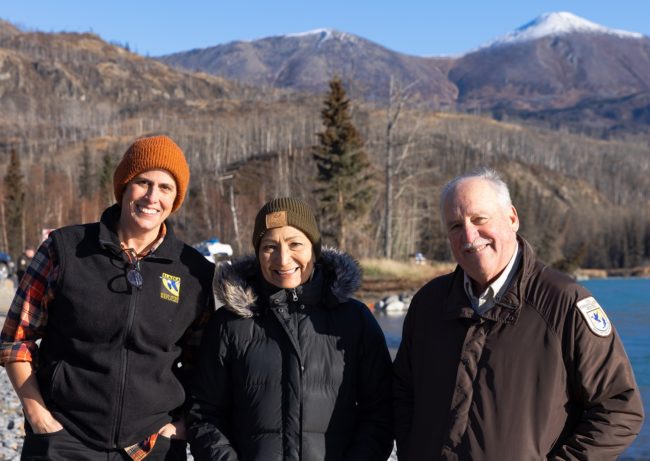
x,y
286,257
147,201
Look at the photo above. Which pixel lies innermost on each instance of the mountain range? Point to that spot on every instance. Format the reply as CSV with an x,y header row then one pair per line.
x,y
560,65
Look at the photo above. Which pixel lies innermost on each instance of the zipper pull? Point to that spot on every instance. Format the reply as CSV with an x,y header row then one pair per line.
x,y
295,295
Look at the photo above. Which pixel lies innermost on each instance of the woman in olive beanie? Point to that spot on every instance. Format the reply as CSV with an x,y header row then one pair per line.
x,y
117,305
291,367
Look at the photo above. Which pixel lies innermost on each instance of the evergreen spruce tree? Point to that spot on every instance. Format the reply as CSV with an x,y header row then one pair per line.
x,y
87,186
345,180
14,187
86,175
105,180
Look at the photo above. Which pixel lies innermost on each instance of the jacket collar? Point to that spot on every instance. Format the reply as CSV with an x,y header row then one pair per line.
x,y
507,308
239,285
309,293
109,240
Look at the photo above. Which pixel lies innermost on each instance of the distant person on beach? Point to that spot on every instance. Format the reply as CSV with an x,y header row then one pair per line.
x,y
23,262
507,358
291,367
118,306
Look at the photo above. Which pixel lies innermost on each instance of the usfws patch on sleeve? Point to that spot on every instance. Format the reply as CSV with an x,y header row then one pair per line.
x,y
171,287
595,316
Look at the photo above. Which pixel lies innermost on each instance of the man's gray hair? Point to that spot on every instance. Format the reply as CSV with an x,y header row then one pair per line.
x,y
490,175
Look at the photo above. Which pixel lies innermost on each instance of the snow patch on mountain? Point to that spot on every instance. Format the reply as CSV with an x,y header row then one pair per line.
x,y
558,23
324,34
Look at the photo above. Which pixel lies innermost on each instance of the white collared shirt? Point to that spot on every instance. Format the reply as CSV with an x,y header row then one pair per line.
x,y
496,289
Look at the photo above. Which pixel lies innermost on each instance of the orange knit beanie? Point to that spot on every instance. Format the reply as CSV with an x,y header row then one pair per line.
x,y
154,152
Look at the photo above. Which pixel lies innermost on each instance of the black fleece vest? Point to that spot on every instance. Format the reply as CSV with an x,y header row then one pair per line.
x,y
108,362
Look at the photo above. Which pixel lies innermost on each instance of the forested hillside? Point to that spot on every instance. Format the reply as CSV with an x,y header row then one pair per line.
x,y
72,103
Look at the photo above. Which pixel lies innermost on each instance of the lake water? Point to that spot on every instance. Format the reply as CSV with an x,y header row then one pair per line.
x,y
627,303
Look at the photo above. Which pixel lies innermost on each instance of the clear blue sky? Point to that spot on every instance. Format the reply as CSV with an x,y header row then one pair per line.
x,y
423,28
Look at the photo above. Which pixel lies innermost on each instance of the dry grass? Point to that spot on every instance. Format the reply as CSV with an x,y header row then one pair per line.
x,y
392,269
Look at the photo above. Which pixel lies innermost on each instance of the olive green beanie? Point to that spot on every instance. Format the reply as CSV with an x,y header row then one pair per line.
x,y
287,211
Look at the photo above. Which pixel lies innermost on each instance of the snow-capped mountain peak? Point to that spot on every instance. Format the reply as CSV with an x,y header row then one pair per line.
x,y
320,35
557,23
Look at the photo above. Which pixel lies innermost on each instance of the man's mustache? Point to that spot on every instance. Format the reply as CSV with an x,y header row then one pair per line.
x,y
476,244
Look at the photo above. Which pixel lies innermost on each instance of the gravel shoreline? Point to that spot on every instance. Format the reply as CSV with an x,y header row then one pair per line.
x,y
11,418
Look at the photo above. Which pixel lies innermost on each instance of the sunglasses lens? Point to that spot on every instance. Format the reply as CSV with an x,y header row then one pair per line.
x,y
135,278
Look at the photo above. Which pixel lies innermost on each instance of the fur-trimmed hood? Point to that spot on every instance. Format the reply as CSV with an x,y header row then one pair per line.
x,y
233,284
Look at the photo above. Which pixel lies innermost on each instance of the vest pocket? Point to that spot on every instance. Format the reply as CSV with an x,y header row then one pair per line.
x,y
55,374
46,377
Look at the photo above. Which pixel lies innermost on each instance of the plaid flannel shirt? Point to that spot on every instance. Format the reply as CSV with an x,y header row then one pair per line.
x,y
27,319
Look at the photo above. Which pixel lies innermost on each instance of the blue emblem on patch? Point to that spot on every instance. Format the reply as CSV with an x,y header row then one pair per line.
x,y
599,320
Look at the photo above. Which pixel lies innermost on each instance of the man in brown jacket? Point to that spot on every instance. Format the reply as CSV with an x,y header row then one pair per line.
x,y
506,358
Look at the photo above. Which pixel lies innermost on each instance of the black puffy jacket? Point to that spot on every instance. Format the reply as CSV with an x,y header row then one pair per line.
x,y
299,374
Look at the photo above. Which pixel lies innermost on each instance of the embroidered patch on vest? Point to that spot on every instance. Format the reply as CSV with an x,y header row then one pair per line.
x,y
276,219
595,316
171,287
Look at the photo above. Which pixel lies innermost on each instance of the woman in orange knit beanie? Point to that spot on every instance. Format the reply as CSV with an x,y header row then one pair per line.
x,y
118,305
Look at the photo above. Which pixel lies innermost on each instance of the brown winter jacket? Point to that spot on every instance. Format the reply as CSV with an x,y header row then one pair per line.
x,y
527,380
